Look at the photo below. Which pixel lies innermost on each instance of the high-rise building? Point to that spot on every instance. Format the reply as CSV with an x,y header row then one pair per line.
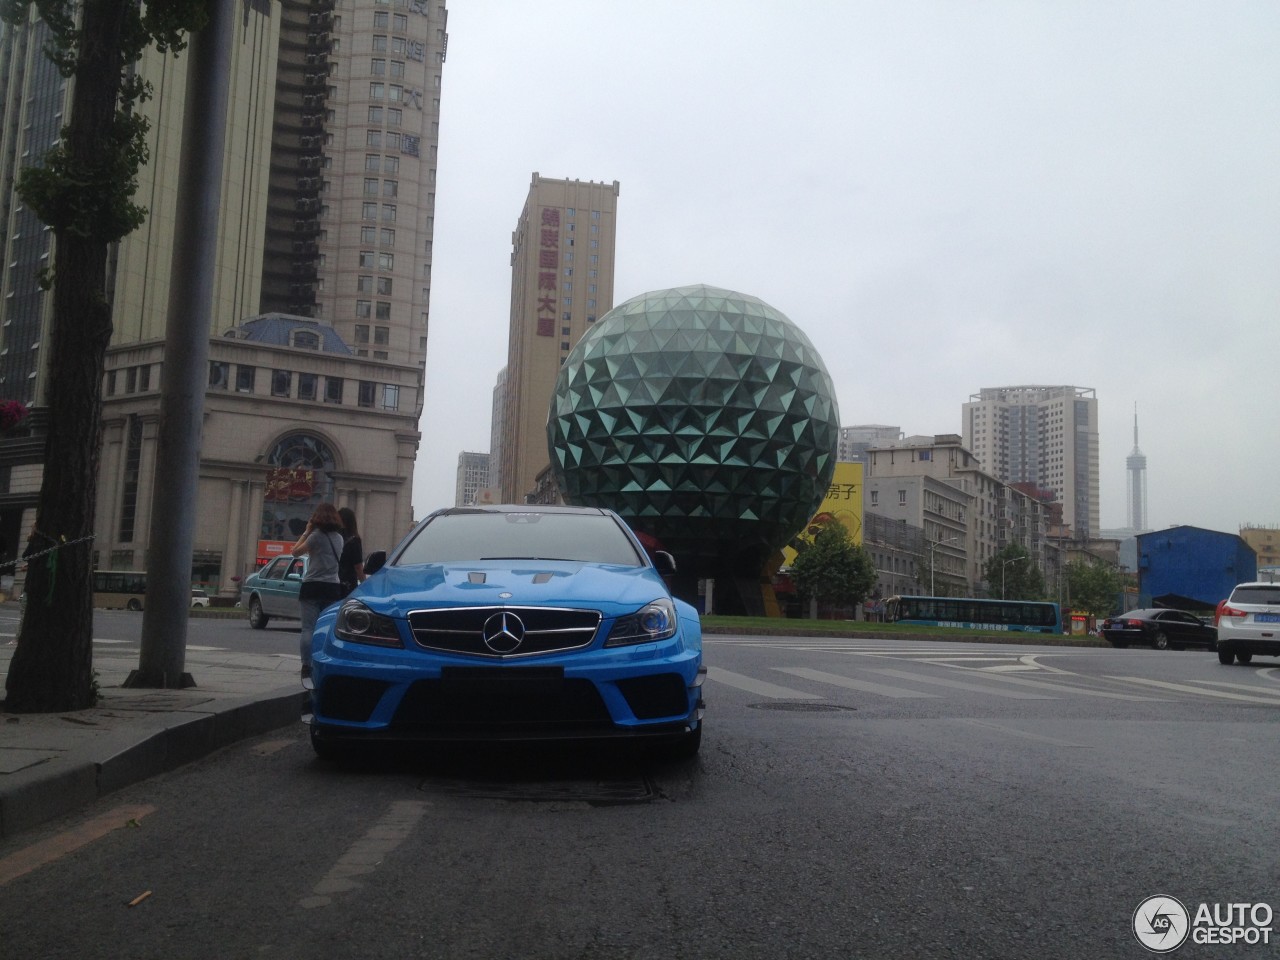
x,y
1041,435
562,261
473,476
322,282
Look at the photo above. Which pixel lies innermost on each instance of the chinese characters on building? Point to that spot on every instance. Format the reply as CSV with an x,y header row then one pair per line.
x,y
548,268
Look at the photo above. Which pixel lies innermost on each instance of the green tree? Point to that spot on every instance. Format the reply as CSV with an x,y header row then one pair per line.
x,y
1011,574
1094,586
831,568
84,191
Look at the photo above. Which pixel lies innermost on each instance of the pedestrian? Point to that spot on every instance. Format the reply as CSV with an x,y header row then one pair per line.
x,y
321,543
351,563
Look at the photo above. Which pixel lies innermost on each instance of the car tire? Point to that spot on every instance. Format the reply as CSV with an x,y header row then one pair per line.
x,y
1119,644
1226,657
134,604
1245,658
257,617
1160,641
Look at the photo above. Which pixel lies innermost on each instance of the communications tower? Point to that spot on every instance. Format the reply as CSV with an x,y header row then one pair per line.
x,y
1136,463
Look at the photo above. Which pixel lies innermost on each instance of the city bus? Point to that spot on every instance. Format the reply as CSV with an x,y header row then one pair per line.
x,y
120,589
973,614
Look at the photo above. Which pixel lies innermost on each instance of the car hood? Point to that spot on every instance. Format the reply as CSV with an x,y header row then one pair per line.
x,y
613,590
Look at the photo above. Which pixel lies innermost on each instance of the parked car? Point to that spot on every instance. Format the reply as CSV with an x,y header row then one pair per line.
x,y
1161,628
510,623
199,598
272,592
1249,623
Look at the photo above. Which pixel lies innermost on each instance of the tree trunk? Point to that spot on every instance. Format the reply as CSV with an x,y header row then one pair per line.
x,y
52,668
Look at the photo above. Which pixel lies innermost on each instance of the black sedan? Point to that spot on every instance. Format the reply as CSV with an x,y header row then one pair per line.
x,y
1162,629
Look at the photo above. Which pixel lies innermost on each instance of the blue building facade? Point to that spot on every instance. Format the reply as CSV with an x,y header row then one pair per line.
x,y
1189,567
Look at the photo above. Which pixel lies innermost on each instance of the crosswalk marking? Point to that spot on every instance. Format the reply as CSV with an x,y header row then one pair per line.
x,y
961,685
759,687
1187,688
864,686
1063,687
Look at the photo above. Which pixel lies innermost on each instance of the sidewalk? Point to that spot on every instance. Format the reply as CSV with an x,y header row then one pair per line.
x,y
52,764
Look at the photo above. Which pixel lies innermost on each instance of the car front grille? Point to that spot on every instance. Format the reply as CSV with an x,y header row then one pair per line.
x,y
504,632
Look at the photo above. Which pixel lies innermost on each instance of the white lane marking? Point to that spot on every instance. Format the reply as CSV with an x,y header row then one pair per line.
x,y
759,687
1060,688
1187,688
961,685
879,689
364,856
1253,688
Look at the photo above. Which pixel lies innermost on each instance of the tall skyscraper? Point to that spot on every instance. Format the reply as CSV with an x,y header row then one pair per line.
x,y
1136,464
322,284
562,262
1041,435
473,476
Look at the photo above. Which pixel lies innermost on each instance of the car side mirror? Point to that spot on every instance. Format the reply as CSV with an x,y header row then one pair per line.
x,y
664,562
375,562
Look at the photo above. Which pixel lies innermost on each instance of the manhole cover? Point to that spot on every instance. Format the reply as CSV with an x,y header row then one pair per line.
x,y
597,792
800,706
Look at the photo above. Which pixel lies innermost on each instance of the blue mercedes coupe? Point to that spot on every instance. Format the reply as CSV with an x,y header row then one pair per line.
x,y
510,623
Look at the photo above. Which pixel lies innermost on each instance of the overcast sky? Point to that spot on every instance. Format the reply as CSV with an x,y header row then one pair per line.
x,y
943,196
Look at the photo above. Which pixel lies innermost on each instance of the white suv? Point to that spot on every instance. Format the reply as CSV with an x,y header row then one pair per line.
x,y
1248,622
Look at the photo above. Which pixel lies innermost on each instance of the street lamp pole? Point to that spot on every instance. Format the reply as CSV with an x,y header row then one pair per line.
x,y
1003,568
932,572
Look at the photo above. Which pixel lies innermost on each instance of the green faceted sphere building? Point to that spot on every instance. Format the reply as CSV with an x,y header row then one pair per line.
x,y
705,418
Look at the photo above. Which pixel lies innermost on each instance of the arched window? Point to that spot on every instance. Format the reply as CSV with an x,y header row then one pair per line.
x,y
299,476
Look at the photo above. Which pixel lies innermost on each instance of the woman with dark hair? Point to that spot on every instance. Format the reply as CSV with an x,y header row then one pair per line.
x,y
351,563
321,543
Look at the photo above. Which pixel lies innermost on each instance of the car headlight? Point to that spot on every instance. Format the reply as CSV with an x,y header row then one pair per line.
x,y
358,624
654,621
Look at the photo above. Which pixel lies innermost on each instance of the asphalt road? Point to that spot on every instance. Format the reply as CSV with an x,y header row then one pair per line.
x,y
854,798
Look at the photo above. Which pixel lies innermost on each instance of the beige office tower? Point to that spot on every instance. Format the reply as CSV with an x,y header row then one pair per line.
x,y
322,283
562,260
1045,437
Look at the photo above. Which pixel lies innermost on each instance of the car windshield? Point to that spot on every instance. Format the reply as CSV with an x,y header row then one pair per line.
x,y
588,538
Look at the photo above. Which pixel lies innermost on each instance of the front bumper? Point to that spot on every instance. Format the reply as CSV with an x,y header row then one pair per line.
x,y
388,695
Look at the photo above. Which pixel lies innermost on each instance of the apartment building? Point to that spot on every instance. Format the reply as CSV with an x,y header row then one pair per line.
x,y
1046,436
321,293
966,515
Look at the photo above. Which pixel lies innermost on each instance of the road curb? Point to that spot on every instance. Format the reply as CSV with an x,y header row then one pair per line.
x,y
62,785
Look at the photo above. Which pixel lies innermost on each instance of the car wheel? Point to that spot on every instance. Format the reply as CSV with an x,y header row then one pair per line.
x,y
1161,640
135,605
1225,657
257,618
1245,657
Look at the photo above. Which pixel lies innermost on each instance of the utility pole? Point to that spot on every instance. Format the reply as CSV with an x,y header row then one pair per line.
x,y
186,356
